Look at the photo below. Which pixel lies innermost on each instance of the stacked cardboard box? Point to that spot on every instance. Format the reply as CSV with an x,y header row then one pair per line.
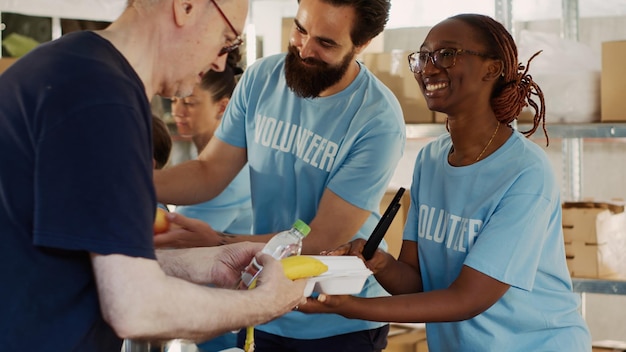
x,y
612,77
392,69
393,237
406,338
595,239
608,346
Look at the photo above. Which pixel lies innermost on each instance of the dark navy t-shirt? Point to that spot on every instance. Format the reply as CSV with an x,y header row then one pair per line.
x,y
75,178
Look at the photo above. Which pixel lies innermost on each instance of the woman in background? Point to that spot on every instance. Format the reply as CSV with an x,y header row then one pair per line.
x,y
197,117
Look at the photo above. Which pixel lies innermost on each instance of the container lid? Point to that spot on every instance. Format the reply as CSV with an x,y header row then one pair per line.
x,y
302,227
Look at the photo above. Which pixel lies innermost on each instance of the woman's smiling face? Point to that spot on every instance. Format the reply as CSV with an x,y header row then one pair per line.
x,y
460,86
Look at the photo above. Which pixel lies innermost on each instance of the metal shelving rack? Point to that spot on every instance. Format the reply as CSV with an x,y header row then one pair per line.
x,y
613,287
573,136
561,131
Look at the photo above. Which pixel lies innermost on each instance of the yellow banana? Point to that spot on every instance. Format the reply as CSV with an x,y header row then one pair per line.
x,y
301,266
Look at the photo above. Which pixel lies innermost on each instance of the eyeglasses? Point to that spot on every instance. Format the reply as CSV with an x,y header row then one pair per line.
x,y
238,40
441,59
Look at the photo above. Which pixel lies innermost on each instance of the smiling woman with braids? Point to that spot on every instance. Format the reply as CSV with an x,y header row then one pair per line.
x,y
483,260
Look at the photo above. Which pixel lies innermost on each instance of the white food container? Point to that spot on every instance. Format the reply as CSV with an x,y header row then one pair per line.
x,y
346,275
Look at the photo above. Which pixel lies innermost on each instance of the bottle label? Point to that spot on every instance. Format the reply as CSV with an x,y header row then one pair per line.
x,y
251,272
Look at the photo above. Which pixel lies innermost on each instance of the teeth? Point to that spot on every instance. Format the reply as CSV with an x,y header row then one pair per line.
x,y
431,87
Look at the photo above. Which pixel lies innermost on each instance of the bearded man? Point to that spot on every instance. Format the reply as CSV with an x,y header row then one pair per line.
x,y
322,137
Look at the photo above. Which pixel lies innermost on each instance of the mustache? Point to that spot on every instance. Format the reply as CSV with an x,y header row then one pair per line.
x,y
309,60
314,62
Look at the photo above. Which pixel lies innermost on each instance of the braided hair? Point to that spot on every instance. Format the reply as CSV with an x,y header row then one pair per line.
x,y
515,89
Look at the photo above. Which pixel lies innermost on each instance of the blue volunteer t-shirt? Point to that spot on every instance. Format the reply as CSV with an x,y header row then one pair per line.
x,y
349,142
500,216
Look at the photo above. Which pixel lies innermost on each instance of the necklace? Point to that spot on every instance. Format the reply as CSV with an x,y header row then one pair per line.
x,y
489,143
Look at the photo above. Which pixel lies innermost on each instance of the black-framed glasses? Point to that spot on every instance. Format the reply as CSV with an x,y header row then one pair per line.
x,y
238,40
441,58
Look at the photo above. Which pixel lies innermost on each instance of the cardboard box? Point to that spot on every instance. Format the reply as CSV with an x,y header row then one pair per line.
x,y
286,25
439,117
393,237
403,338
612,77
595,239
376,46
392,69
608,346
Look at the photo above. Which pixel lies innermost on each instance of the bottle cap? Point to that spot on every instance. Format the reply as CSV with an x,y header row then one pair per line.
x,y
302,227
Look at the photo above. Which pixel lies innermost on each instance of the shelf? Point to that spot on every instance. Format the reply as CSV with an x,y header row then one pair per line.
x,y
585,130
613,287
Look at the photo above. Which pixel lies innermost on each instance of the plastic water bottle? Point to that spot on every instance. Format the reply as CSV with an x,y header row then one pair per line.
x,y
282,245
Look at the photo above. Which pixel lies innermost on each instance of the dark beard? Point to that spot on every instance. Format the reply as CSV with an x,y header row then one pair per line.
x,y
308,81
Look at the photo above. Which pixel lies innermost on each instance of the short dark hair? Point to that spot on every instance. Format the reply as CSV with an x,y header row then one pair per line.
x,y
161,142
371,18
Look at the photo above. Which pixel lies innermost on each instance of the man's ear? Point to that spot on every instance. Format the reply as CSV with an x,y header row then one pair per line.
x,y
182,9
494,70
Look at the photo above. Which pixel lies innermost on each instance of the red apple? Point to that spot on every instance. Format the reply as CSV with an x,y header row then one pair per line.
x,y
161,222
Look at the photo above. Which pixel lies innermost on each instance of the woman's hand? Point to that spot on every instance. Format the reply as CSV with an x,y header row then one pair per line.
x,y
186,233
325,304
376,264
